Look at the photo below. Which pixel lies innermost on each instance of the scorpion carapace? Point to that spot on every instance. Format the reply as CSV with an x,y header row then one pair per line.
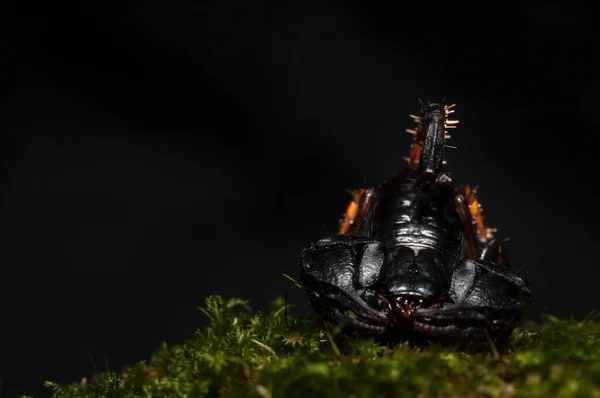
x,y
414,256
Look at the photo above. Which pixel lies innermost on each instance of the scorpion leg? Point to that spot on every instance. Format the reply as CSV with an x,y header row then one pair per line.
x,y
462,209
494,252
357,212
339,275
484,234
488,301
470,212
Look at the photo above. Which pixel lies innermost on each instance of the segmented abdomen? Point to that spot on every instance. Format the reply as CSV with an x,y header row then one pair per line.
x,y
407,216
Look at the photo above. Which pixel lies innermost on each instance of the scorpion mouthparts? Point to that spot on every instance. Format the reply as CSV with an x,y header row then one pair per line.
x,y
407,309
404,305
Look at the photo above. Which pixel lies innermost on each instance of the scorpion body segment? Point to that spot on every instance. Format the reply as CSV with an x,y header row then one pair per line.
x,y
408,214
413,255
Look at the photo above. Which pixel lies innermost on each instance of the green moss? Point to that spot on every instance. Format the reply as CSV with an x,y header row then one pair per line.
x,y
248,354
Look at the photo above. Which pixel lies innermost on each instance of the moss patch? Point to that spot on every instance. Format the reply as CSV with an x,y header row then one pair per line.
x,y
248,354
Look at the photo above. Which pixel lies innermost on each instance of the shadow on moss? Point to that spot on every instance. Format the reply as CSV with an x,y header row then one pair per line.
x,y
248,354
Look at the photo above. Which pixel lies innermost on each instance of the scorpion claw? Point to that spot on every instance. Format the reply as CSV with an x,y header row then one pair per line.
x,y
489,301
466,322
349,322
350,311
450,331
360,308
339,274
458,313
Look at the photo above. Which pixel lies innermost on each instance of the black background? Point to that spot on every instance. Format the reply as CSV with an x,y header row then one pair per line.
x,y
158,152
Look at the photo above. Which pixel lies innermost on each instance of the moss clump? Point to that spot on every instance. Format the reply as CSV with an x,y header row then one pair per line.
x,y
246,354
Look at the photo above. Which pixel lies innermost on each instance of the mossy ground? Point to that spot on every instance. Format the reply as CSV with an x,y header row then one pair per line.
x,y
247,354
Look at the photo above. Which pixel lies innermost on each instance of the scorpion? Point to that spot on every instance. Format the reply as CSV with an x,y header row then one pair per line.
x,y
413,257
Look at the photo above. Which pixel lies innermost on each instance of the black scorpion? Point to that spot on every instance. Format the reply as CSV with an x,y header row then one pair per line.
x,y
413,257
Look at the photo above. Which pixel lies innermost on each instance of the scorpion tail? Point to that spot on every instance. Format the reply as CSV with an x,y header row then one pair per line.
x,y
430,134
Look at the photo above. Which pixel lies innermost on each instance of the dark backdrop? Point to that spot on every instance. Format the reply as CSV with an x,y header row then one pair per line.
x,y
154,154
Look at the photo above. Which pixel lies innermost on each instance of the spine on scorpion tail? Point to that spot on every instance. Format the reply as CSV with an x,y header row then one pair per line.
x,y
430,135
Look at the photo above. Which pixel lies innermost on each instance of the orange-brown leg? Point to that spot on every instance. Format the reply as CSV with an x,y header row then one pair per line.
x,y
471,216
462,208
357,212
484,234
